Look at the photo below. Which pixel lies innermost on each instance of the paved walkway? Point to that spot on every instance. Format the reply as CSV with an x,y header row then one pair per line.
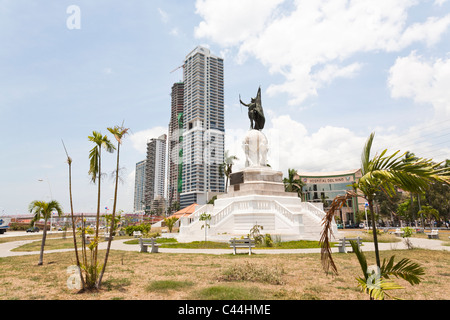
x,y
5,248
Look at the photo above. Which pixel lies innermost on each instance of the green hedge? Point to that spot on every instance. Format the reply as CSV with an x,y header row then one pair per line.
x,y
144,228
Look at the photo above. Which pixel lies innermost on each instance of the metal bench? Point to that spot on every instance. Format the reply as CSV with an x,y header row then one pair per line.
x,y
434,234
242,243
345,242
145,243
398,232
137,234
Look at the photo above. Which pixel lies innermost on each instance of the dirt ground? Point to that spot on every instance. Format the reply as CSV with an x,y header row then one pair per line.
x,y
162,276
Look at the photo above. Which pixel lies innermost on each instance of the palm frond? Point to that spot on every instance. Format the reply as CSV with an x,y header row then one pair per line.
x,y
365,156
361,257
327,232
405,269
378,288
93,163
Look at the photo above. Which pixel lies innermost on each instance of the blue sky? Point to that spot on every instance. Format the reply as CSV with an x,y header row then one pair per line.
x,y
331,72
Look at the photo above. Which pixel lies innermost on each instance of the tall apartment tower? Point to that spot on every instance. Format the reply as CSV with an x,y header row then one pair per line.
x,y
155,168
203,127
139,186
175,143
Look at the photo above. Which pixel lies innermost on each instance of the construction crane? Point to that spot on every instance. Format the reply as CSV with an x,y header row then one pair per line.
x,y
182,66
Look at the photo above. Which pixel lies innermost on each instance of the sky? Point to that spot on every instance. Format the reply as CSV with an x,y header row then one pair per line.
x,y
331,72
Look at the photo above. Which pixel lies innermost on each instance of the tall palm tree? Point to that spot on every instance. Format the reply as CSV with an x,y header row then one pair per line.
x,y
227,167
69,162
119,133
95,166
43,210
291,184
383,172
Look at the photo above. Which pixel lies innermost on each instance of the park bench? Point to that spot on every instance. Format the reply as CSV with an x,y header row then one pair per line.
x,y
137,234
345,242
108,235
242,243
145,243
434,234
398,232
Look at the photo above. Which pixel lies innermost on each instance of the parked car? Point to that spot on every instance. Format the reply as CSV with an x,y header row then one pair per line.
x,y
33,229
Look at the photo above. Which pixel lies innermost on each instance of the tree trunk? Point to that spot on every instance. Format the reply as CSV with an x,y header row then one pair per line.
x,y
73,225
95,250
44,236
112,220
374,230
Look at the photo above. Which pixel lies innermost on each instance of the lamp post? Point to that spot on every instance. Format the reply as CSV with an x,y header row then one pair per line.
x,y
365,211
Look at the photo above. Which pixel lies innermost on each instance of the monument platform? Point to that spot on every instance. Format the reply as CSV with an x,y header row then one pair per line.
x,y
256,196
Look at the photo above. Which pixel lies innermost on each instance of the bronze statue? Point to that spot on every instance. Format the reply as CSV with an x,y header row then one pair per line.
x,y
255,111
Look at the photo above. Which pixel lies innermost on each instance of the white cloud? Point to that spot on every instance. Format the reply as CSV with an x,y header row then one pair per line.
x,y
228,22
139,139
423,80
314,38
163,15
292,146
440,2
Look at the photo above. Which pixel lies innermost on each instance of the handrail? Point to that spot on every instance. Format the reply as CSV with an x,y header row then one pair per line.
x,y
312,208
256,205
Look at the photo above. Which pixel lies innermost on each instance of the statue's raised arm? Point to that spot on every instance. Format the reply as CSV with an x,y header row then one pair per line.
x,y
247,105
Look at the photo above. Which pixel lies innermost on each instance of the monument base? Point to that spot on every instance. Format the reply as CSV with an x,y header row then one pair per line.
x,y
256,196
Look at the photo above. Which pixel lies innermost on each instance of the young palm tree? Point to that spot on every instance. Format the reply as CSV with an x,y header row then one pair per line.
x,y
293,185
383,172
119,133
69,162
227,167
95,156
43,210
377,282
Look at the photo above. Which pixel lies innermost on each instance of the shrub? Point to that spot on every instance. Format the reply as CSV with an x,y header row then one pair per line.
x,y
268,240
144,228
407,232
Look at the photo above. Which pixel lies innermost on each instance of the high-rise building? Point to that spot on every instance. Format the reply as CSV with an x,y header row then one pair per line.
x,y
155,172
203,127
175,143
139,186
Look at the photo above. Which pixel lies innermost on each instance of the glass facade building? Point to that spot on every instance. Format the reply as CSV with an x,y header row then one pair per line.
x,y
203,127
325,186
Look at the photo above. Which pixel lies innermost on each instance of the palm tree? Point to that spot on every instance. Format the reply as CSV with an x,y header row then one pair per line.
x,y
119,133
386,173
430,213
69,162
43,210
227,167
100,141
376,282
291,184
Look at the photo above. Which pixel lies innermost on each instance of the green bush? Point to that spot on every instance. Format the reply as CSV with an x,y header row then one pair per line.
x,y
268,240
144,228
407,232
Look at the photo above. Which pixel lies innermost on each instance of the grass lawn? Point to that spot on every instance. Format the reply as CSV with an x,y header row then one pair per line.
x,y
134,275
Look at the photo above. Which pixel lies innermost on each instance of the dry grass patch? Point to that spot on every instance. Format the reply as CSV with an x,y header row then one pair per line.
x,y
133,275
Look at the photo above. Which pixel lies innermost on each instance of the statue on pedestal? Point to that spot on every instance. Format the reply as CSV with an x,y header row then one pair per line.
x,y
255,111
255,142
